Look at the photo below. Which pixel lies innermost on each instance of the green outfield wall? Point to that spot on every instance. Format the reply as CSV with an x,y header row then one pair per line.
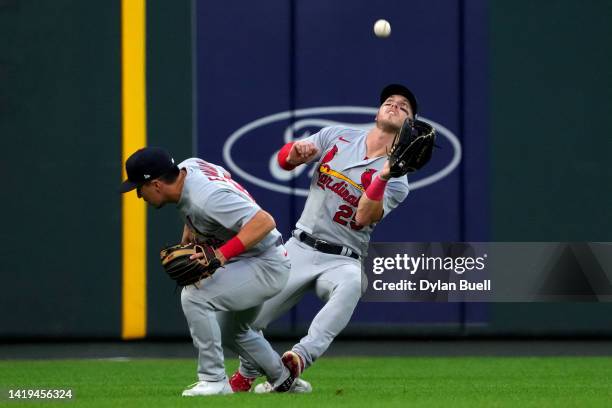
x,y
60,126
551,98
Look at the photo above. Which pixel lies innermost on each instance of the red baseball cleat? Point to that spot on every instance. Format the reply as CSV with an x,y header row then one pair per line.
x,y
240,383
294,362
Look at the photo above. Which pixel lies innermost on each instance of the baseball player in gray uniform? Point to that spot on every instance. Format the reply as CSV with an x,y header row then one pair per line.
x,y
218,211
350,192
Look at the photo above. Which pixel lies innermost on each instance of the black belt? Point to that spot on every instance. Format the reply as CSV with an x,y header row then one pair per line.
x,y
324,246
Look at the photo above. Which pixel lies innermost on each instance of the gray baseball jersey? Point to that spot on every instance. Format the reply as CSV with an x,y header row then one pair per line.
x,y
342,175
225,304
215,207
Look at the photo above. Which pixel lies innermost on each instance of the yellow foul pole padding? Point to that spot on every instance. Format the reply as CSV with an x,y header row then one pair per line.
x,y
134,136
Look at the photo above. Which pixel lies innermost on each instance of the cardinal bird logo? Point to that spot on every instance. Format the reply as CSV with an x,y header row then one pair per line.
x,y
366,178
330,155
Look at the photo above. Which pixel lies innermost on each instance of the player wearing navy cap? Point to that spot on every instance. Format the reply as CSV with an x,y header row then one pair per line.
x,y
219,212
350,192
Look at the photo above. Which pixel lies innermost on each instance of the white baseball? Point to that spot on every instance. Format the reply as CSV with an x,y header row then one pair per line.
x,y
382,28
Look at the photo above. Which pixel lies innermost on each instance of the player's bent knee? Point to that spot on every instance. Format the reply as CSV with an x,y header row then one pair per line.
x,y
349,290
192,305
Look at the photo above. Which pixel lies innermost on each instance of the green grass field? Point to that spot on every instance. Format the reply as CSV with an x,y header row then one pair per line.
x,y
350,382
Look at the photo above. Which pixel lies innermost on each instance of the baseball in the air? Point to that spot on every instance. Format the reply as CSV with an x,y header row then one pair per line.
x,y
382,28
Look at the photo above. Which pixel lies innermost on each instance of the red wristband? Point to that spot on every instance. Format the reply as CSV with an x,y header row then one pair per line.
x,y
232,248
282,156
376,190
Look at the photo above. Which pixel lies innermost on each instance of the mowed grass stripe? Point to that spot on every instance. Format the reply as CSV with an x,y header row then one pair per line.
x,y
354,382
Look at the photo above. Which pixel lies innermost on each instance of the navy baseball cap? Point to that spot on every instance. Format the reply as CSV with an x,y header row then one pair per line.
x,y
397,89
144,165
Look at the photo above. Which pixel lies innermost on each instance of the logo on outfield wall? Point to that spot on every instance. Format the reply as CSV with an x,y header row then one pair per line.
x,y
311,120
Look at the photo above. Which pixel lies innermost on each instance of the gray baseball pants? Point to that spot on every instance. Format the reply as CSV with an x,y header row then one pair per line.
x,y
222,308
337,281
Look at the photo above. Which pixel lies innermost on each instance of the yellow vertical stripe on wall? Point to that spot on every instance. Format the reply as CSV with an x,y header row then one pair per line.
x,y
134,222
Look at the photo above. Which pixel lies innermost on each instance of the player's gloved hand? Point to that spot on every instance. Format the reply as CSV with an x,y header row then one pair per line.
x,y
218,255
302,152
412,147
181,266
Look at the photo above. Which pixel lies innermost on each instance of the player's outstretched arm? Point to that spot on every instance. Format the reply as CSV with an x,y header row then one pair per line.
x,y
295,153
256,229
370,208
369,211
249,235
